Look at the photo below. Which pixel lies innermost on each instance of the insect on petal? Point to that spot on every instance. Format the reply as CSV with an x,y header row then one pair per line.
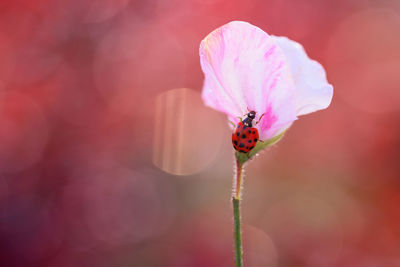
x,y
245,68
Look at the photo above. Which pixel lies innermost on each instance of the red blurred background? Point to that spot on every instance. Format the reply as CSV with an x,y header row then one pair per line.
x,y
109,158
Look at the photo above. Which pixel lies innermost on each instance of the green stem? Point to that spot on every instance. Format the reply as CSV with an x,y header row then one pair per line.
x,y
241,158
236,215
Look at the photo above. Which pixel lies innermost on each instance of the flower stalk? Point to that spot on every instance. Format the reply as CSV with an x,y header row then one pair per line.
x,y
236,214
241,158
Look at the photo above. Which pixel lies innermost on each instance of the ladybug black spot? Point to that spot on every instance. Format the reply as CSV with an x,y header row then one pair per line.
x,y
250,141
254,132
247,147
243,136
249,131
235,142
237,134
255,139
242,151
251,147
241,145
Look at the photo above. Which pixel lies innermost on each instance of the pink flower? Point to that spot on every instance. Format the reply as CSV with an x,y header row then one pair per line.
x,y
245,68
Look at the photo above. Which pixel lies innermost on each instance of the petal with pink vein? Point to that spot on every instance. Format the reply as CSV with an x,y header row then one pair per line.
x,y
245,69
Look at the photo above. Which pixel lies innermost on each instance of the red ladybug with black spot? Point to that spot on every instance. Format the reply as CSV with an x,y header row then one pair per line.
x,y
245,136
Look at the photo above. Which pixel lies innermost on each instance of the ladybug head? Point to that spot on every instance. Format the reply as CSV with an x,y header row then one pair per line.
x,y
251,114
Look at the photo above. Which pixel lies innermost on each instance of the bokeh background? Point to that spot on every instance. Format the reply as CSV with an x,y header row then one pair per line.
x,y
109,158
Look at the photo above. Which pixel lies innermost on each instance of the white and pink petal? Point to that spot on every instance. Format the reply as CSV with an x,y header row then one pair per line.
x,y
313,92
246,69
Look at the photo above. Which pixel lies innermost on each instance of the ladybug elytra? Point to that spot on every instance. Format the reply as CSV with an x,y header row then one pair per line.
x,y
245,136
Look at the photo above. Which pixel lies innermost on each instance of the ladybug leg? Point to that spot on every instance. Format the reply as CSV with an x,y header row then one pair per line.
x,y
260,118
239,118
233,124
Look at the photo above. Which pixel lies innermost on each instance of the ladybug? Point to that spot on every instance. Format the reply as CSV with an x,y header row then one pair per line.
x,y
245,136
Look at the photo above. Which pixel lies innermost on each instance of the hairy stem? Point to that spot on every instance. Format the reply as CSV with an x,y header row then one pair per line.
x,y
236,215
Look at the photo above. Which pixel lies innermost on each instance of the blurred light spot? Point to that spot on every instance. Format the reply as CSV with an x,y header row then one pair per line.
x,y
23,132
26,49
188,135
101,10
44,60
134,61
118,205
67,99
202,239
364,56
259,247
305,226
281,14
